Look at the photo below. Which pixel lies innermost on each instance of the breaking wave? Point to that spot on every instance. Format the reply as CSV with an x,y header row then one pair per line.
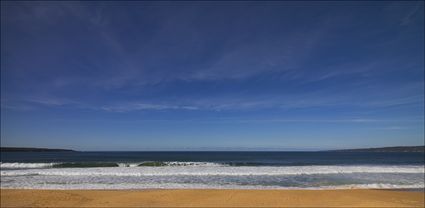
x,y
103,164
206,186
206,169
199,175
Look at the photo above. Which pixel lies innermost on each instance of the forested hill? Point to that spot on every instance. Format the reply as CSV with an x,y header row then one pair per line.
x,y
26,149
386,149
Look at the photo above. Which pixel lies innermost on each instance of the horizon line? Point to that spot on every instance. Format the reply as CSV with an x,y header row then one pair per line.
x,y
222,149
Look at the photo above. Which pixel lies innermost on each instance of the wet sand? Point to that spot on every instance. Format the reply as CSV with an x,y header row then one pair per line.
x,y
210,198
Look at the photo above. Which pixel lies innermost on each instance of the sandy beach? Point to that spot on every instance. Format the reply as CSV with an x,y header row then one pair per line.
x,y
210,198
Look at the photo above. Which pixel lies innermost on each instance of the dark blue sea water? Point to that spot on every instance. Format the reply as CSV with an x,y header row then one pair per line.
x,y
253,170
235,158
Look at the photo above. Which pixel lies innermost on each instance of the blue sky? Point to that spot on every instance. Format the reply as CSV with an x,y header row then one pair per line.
x,y
212,75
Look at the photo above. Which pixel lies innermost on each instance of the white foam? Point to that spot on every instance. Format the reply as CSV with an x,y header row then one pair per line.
x,y
214,176
26,165
134,164
203,186
193,164
128,164
213,170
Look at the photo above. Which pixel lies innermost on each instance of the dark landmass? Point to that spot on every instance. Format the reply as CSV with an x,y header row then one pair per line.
x,y
386,149
380,149
26,149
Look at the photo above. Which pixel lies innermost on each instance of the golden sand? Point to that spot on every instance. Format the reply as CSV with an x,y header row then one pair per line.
x,y
210,198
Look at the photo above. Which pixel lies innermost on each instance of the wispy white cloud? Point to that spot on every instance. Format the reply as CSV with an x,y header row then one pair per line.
x,y
396,128
234,62
20,103
409,16
17,107
341,120
50,101
144,106
316,99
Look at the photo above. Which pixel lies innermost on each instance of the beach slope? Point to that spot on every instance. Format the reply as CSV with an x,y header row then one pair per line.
x,y
210,198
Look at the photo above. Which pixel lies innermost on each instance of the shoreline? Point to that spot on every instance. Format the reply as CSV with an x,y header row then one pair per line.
x,y
247,189
211,198
406,189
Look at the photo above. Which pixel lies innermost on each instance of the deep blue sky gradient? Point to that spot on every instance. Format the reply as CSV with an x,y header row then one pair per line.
x,y
212,75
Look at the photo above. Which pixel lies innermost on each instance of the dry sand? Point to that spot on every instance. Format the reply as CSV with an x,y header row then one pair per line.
x,y
210,198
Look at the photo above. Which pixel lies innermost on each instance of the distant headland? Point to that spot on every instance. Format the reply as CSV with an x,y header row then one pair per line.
x,y
378,149
27,149
386,149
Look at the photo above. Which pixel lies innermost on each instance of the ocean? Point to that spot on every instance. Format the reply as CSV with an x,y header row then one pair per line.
x,y
212,170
